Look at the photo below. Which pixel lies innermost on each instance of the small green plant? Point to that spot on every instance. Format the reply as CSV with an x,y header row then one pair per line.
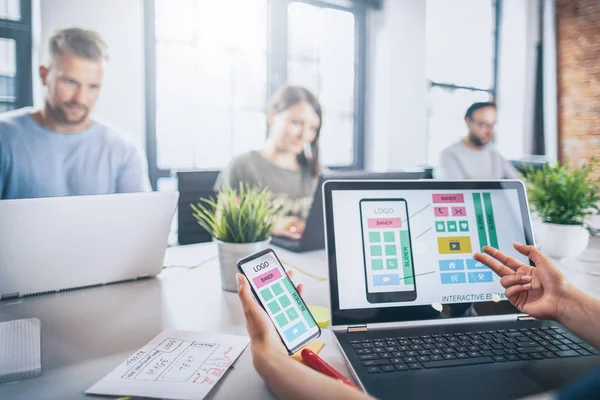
x,y
245,215
564,195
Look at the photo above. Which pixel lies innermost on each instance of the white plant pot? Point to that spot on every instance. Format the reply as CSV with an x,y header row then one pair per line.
x,y
563,241
537,227
230,254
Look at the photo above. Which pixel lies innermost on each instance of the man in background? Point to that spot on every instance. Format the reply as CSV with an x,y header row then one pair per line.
x,y
475,157
60,150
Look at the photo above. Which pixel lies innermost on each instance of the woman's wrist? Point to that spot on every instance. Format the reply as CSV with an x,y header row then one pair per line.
x,y
567,304
266,359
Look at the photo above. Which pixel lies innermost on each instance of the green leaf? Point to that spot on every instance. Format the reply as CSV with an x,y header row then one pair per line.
x,y
242,215
561,194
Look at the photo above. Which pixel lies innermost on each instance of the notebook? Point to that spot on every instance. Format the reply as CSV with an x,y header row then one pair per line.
x,y
20,350
174,365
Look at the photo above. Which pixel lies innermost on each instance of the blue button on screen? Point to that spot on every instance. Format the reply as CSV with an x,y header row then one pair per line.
x,y
295,331
452,265
483,276
386,280
474,264
450,278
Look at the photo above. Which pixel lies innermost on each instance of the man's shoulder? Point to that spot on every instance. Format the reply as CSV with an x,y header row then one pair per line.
x,y
114,136
494,150
12,125
14,119
453,148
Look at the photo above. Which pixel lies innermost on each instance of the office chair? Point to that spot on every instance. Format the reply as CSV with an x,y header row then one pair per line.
x,y
193,185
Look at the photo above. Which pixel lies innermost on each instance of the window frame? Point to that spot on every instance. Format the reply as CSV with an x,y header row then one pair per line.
x,y
20,32
277,37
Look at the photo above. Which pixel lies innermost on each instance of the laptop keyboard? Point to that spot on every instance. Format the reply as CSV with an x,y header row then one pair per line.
x,y
392,354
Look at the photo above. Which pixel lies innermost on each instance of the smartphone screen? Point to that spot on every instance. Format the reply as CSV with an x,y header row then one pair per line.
x,y
278,296
387,250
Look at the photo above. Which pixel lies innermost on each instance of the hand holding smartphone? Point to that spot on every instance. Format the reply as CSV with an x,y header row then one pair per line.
x,y
278,296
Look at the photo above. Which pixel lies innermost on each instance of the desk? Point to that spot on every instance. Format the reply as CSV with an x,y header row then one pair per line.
x,y
87,333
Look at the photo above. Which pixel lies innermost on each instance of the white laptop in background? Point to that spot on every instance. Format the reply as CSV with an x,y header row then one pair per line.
x,y
62,243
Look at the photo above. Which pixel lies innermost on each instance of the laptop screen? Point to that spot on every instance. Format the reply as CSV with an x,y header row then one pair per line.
x,y
413,245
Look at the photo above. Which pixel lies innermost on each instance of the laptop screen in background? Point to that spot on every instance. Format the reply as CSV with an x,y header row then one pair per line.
x,y
415,247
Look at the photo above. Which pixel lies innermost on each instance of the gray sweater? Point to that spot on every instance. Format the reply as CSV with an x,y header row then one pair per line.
x,y
294,189
458,162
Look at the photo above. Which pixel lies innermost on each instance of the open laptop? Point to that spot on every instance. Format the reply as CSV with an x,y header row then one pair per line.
x,y
415,315
313,236
63,243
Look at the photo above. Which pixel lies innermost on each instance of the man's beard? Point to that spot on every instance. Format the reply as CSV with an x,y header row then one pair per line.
x,y
476,141
58,115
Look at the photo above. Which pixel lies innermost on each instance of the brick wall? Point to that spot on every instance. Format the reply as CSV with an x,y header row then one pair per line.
x,y
578,42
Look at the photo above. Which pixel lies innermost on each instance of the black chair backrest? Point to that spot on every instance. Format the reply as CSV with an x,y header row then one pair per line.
x,y
192,186
428,173
523,166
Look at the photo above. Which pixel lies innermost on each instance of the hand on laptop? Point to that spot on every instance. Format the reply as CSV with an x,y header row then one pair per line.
x,y
291,227
544,293
536,291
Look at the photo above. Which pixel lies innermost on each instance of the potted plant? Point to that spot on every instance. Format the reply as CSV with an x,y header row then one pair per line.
x,y
563,197
240,221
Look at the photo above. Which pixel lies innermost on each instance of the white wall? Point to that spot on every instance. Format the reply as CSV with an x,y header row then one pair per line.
x,y
396,113
550,81
121,24
519,36
516,81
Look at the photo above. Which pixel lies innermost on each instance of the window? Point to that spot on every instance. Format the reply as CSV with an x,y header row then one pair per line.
x,y
213,65
10,10
461,51
210,81
8,71
15,54
321,58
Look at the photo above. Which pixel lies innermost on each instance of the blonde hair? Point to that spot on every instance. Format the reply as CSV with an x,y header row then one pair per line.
x,y
80,42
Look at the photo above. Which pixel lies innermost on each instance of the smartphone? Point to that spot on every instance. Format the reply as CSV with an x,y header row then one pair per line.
x,y
277,294
387,251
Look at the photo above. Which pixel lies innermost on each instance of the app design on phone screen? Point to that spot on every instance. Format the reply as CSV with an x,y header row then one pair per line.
x,y
387,250
278,296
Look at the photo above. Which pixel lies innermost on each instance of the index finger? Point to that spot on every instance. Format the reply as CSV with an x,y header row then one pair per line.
x,y
291,235
504,259
249,304
532,253
300,287
496,266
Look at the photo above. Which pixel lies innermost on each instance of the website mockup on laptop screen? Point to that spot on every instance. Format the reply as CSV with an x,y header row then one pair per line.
x,y
415,247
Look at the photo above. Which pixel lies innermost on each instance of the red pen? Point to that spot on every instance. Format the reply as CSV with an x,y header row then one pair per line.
x,y
317,363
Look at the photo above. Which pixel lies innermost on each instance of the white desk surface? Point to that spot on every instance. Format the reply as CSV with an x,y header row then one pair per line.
x,y
87,333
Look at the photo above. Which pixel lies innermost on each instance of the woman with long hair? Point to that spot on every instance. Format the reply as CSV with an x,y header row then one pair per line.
x,y
288,163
